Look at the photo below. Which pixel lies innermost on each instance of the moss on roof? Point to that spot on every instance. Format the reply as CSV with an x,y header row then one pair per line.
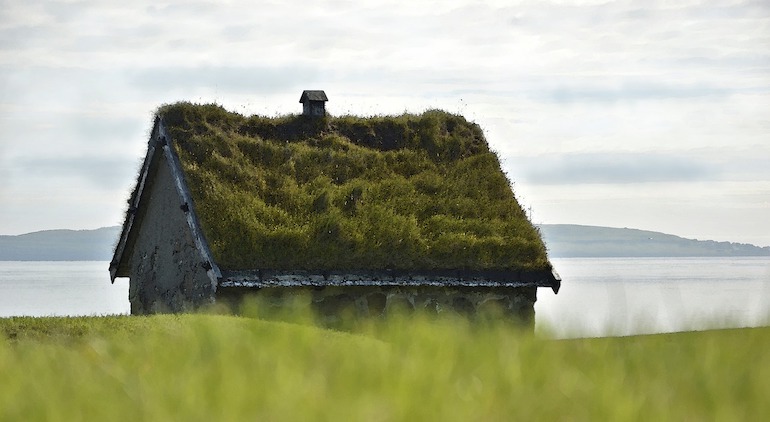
x,y
350,193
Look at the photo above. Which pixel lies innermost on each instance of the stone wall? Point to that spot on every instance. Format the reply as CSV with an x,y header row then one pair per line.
x,y
332,302
166,269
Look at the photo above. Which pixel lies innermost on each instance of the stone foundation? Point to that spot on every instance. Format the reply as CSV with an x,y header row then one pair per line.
x,y
331,302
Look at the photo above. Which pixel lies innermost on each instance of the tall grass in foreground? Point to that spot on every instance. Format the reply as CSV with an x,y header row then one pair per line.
x,y
213,367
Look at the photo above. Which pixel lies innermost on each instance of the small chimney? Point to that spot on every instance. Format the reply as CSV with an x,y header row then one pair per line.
x,y
313,103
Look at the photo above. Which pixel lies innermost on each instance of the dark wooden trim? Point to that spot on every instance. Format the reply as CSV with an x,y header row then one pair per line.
x,y
192,219
133,206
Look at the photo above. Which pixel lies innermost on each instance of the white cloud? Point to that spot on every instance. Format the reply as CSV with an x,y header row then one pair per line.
x,y
724,211
683,84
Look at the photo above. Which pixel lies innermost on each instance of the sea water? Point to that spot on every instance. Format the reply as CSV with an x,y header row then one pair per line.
x,y
60,288
622,296
598,297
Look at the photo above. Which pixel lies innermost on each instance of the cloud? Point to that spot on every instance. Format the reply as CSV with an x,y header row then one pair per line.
x,y
634,91
610,168
556,85
29,132
78,172
238,79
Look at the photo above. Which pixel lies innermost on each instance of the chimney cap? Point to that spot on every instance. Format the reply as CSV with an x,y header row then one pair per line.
x,y
313,95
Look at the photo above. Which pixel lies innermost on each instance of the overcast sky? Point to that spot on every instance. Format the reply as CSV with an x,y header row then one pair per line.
x,y
642,114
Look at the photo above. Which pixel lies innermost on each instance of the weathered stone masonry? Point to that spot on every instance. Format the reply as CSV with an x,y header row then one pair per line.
x,y
377,293
368,301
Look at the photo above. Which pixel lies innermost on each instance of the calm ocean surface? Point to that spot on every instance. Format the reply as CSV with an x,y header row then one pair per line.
x,y
599,296
620,296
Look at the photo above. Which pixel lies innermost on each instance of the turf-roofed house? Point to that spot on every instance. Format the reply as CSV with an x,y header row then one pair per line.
x,y
361,214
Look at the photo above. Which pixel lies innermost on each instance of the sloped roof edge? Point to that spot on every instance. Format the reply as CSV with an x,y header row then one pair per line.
x,y
160,142
133,207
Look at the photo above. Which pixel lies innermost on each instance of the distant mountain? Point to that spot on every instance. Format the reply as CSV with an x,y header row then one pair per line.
x,y
60,245
562,240
570,240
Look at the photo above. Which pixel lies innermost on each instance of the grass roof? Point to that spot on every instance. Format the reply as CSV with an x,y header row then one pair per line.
x,y
413,192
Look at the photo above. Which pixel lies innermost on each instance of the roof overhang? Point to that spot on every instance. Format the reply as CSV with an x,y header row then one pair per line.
x,y
404,278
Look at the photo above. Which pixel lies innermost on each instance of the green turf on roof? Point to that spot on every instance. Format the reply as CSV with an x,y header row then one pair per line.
x,y
416,192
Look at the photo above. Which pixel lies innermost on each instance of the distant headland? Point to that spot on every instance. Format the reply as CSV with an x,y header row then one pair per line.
x,y
60,245
572,240
562,240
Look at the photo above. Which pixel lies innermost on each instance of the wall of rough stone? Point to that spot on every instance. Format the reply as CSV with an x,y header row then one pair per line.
x,y
518,303
166,269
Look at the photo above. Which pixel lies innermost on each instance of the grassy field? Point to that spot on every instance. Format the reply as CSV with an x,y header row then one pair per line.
x,y
219,367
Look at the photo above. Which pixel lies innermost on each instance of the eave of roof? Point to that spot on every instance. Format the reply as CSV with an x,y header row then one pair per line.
x,y
438,278
119,258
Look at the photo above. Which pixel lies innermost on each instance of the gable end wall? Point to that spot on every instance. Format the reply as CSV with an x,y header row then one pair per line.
x,y
166,270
